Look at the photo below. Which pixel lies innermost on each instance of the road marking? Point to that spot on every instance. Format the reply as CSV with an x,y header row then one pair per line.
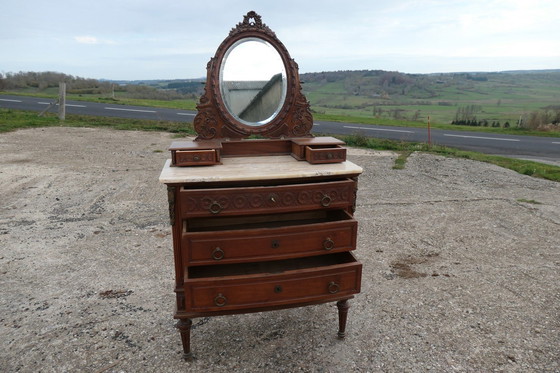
x,y
8,100
136,110
51,103
556,142
377,129
481,137
189,114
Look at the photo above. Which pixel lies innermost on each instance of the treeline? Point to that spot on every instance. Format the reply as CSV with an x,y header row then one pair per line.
x,y
548,118
40,81
49,79
481,123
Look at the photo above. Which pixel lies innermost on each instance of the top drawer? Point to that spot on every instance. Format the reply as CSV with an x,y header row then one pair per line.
x,y
267,199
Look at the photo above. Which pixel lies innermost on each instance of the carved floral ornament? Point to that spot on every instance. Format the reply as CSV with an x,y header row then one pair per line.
x,y
223,108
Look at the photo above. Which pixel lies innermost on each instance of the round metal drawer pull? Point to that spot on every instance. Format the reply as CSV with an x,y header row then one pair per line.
x,y
333,287
278,289
220,300
326,200
218,254
196,158
215,207
275,244
328,244
329,156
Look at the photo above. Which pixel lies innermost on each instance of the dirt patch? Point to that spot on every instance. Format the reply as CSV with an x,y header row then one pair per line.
x,y
459,274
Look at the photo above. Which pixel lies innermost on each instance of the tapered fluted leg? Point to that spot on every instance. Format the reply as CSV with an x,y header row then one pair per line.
x,y
184,326
343,306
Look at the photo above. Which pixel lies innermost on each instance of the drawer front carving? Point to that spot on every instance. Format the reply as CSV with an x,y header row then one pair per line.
x,y
254,200
238,292
218,247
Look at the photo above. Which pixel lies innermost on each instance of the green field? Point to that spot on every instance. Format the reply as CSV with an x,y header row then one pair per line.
x,y
497,97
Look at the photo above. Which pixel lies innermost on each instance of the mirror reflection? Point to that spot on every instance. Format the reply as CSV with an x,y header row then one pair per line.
x,y
253,81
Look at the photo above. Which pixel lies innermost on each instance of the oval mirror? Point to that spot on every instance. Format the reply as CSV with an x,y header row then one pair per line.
x,y
253,81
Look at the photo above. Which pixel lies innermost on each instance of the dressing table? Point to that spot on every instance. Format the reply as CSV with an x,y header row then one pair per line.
x,y
266,222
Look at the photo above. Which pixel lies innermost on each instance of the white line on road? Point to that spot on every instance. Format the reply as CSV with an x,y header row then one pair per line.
x,y
49,103
8,100
136,110
189,114
481,137
377,129
556,142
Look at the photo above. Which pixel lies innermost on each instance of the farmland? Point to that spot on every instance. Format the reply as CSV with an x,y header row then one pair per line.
x,y
500,97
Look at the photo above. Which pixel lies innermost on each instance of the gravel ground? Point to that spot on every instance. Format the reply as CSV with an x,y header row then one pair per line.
x,y
460,273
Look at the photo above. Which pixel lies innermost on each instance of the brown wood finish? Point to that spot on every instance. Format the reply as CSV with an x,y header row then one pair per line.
x,y
251,200
260,242
214,121
251,258
289,239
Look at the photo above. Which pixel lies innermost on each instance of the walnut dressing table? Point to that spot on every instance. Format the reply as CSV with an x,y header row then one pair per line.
x,y
260,224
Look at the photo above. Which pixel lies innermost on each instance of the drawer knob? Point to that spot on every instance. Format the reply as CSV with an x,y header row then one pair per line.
x,y
326,200
329,156
215,207
218,254
220,300
278,289
328,244
196,158
333,287
275,244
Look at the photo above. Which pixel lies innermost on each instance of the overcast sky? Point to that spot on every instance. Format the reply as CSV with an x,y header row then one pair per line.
x,y
140,39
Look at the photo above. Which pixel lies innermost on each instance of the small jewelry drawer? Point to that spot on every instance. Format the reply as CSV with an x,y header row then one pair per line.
x,y
195,153
267,199
325,154
316,150
195,157
267,237
268,284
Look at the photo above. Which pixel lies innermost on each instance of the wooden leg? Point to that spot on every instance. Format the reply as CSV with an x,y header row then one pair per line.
x,y
184,326
343,307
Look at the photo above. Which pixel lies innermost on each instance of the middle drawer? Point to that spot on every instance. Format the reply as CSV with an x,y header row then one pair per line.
x,y
268,237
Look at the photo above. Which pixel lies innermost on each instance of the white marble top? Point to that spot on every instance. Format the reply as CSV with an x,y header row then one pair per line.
x,y
255,168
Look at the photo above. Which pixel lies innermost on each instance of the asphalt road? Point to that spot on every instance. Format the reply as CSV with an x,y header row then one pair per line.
x,y
544,149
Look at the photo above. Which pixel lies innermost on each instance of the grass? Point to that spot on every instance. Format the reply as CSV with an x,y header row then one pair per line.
x,y
442,126
532,201
530,168
182,104
400,162
11,120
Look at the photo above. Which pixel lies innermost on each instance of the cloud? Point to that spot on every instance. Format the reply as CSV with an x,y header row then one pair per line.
x,y
88,39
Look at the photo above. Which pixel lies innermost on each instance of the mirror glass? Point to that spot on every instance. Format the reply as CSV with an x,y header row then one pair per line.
x,y
253,81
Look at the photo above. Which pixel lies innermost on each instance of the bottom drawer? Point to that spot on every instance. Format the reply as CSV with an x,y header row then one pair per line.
x,y
268,284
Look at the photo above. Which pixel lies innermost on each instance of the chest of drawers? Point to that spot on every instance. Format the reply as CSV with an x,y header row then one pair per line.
x,y
262,233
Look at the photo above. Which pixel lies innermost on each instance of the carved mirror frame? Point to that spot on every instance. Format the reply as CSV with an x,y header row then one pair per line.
x,y
214,120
